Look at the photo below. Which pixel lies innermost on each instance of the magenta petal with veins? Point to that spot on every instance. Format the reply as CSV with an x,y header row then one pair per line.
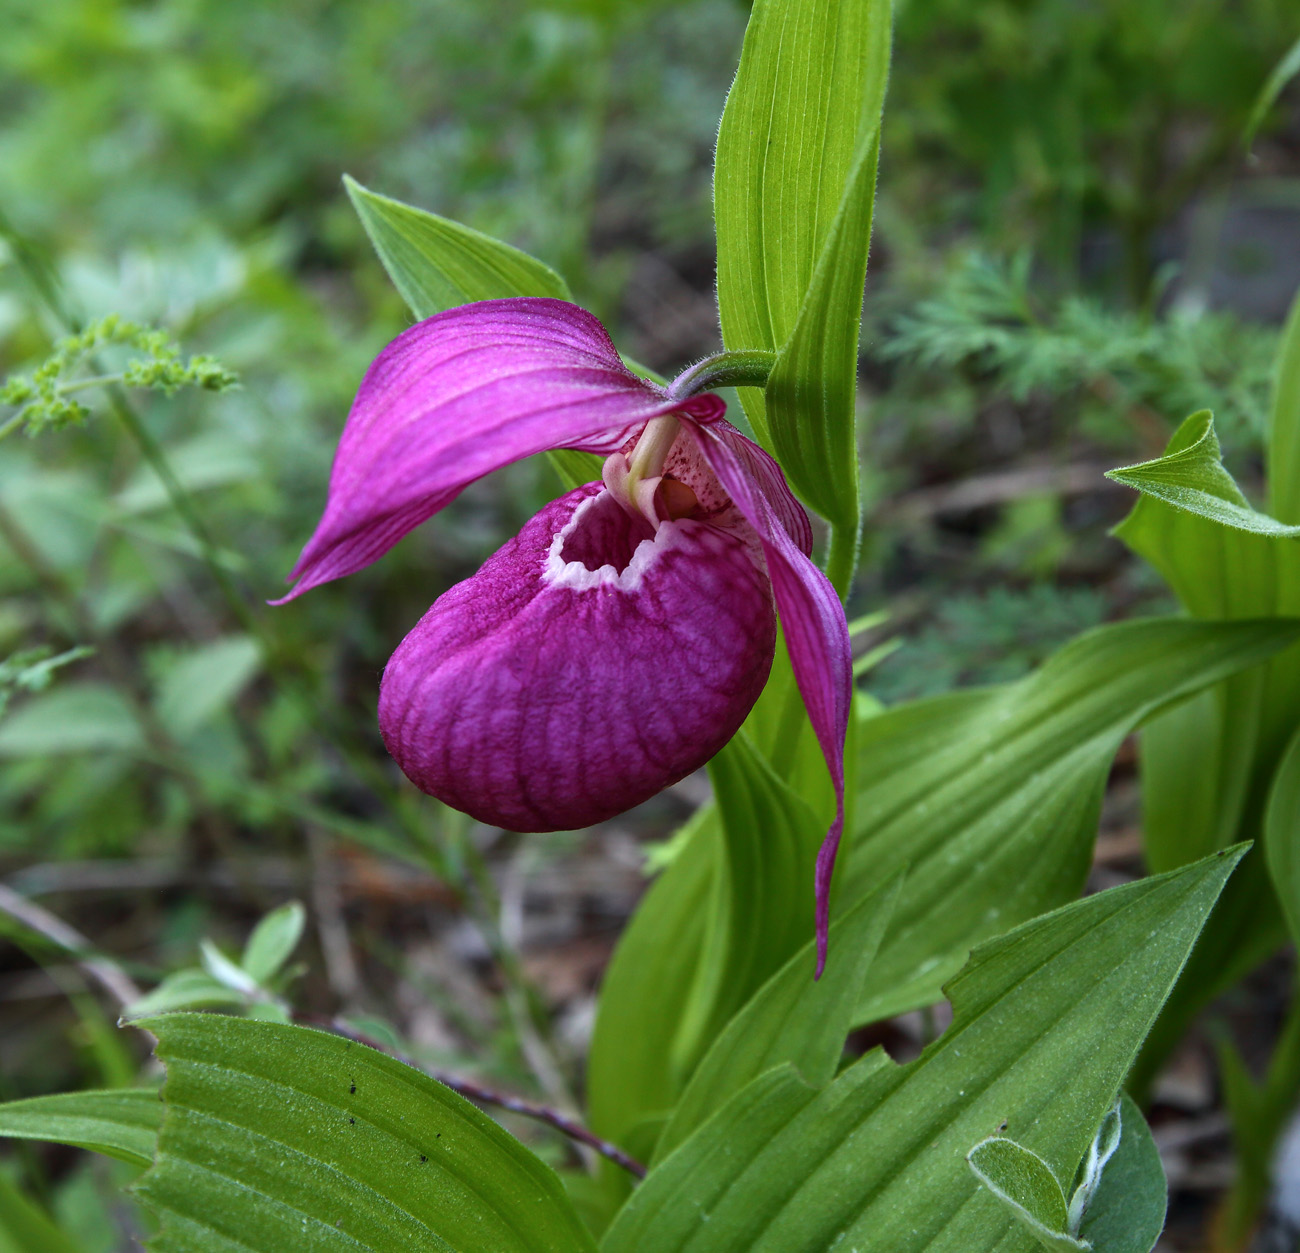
x,y
622,637
542,694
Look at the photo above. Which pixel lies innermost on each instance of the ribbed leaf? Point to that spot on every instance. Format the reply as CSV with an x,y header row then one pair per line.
x,y
992,796
791,1018
1046,1022
277,1137
121,1123
1207,765
793,190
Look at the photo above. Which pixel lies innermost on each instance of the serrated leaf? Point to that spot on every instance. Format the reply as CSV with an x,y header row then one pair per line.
x,y
992,796
121,1122
790,1019
1127,1211
273,941
265,1146
202,681
438,264
1190,476
1282,835
793,188
73,718
26,1228
1026,1186
1046,1022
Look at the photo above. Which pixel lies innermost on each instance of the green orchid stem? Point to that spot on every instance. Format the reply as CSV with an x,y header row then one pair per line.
x,y
746,368
842,557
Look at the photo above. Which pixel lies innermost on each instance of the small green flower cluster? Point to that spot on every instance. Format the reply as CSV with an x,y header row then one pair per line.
x,y
46,399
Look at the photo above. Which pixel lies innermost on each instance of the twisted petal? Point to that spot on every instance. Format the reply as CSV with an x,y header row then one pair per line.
x,y
812,617
464,393
585,667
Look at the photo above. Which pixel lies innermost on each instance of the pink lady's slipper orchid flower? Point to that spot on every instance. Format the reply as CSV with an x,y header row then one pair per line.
x,y
620,639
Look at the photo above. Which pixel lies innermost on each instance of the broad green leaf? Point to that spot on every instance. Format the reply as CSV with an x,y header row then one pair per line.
x,y
202,682
1284,424
1046,1020
1282,835
1283,72
277,1137
26,1228
273,941
992,796
792,1018
120,1122
1190,476
81,717
1127,1211
793,189
438,264
1025,1185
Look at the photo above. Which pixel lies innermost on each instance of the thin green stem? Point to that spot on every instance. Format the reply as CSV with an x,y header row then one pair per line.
x,y
842,557
744,368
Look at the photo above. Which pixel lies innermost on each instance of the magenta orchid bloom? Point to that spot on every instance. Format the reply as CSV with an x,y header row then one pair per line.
x,y
621,638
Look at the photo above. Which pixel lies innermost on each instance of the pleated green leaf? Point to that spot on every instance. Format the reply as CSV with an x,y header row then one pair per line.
x,y
735,905
992,796
792,1018
634,1069
794,185
1207,765
276,1137
1046,1022
121,1122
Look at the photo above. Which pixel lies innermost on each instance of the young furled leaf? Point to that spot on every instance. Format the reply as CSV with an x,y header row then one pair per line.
x,y
1024,1183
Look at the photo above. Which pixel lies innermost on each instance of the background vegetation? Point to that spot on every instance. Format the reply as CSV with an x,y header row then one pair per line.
x,y
1075,247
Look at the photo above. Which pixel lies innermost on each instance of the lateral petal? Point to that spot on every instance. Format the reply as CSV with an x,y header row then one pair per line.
x,y
460,395
812,617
